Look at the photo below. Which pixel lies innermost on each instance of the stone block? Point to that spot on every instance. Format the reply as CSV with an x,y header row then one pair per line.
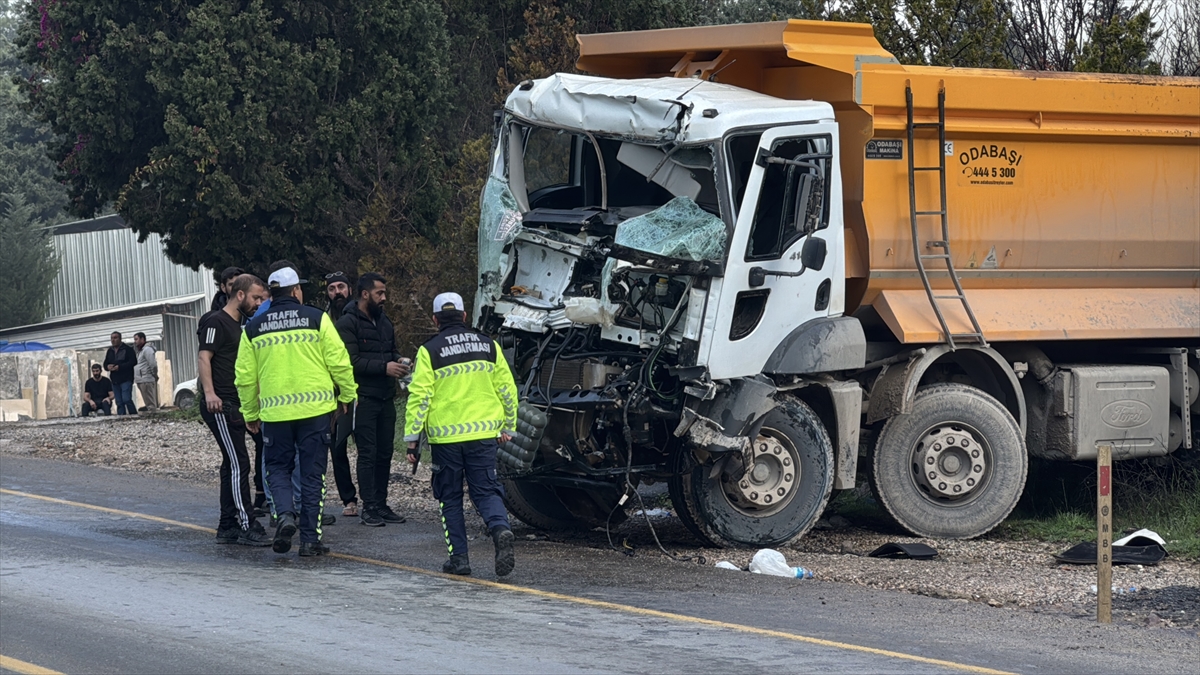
x,y
10,384
60,384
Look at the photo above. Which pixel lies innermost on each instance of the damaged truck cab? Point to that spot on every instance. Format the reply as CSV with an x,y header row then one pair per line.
x,y
665,263
607,224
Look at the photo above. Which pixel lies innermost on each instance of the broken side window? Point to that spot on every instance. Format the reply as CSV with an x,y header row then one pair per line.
x,y
794,197
741,149
499,224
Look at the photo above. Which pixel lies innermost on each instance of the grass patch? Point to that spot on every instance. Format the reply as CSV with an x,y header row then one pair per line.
x,y
1160,494
188,414
1059,503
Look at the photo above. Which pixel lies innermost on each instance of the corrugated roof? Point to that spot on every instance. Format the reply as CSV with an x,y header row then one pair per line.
x,y
91,335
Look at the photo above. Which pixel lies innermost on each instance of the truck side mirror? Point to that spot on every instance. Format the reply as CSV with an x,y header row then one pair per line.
x,y
813,253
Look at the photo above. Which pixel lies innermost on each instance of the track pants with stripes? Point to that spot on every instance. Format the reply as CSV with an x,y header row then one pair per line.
x,y
303,443
230,431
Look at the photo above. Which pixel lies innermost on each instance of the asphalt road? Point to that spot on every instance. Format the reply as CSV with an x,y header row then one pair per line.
x,y
100,590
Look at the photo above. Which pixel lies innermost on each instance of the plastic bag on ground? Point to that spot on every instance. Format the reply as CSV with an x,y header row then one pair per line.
x,y
726,565
769,561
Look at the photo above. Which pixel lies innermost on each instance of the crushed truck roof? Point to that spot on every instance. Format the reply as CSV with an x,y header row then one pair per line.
x,y
657,110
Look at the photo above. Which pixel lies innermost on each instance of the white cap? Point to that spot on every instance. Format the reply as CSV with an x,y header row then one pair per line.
x,y
283,278
443,299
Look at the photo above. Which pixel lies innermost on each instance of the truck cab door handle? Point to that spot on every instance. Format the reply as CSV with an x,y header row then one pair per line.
x,y
758,275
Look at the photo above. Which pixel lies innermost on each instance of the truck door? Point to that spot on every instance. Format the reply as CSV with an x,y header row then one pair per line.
x,y
793,193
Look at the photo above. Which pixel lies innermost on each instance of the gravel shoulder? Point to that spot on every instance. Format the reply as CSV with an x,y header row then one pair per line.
x,y
998,572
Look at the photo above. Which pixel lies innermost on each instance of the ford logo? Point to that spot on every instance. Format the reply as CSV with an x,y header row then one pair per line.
x,y
1125,414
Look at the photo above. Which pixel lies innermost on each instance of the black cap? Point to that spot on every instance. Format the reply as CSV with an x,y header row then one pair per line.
x,y
336,277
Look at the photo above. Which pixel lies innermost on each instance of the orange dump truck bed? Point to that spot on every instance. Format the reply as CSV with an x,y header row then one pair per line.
x,y
1087,184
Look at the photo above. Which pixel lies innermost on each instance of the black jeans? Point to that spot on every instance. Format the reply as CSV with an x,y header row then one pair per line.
x,y
102,408
475,461
375,436
230,431
284,444
341,468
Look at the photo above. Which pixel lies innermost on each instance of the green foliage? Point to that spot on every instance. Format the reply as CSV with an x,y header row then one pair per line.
x,y
246,132
1162,494
28,263
963,33
1111,36
25,169
1121,41
737,11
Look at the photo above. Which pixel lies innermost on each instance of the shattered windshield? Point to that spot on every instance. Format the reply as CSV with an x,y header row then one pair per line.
x,y
558,169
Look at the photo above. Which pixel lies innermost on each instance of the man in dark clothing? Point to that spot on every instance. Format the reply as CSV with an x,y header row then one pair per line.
x,y
371,341
120,361
220,334
97,394
337,291
222,297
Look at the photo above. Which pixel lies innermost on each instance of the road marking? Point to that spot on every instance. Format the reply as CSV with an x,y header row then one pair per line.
x,y
574,599
17,665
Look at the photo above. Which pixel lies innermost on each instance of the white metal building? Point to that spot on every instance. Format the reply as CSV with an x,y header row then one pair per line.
x,y
111,282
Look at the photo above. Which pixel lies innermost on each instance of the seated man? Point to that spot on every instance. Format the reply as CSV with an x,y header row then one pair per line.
x,y
97,393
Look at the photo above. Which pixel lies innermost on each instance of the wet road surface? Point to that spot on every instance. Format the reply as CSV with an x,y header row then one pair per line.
x,y
88,590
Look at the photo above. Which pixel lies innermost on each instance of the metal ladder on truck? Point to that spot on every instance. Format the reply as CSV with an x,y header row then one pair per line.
x,y
976,334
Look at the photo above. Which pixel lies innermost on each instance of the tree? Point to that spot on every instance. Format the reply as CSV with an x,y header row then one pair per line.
x,y
1181,43
962,33
28,263
1110,36
25,170
246,132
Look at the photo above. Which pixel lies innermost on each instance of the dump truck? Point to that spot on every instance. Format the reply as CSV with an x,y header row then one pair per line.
x,y
752,262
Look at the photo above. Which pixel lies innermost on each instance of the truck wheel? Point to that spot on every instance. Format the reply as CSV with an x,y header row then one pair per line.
x,y
536,505
592,508
683,464
779,499
954,467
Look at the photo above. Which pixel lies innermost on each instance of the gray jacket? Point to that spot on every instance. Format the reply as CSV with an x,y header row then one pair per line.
x,y
146,370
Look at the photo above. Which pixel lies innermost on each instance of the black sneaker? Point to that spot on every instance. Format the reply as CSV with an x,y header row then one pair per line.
x,y
388,515
228,535
284,533
457,564
327,519
370,518
254,535
308,549
502,537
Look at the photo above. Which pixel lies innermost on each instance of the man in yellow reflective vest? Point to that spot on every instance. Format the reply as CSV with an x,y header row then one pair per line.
x,y
289,360
463,398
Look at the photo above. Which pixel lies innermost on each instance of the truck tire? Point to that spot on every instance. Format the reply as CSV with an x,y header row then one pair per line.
x,y
954,467
774,503
684,462
537,506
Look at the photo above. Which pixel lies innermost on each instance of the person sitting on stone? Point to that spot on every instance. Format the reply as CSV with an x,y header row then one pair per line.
x,y
97,394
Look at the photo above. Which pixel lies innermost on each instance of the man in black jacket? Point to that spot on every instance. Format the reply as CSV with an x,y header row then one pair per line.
x,y
337,291
222,297
120,361
371,341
